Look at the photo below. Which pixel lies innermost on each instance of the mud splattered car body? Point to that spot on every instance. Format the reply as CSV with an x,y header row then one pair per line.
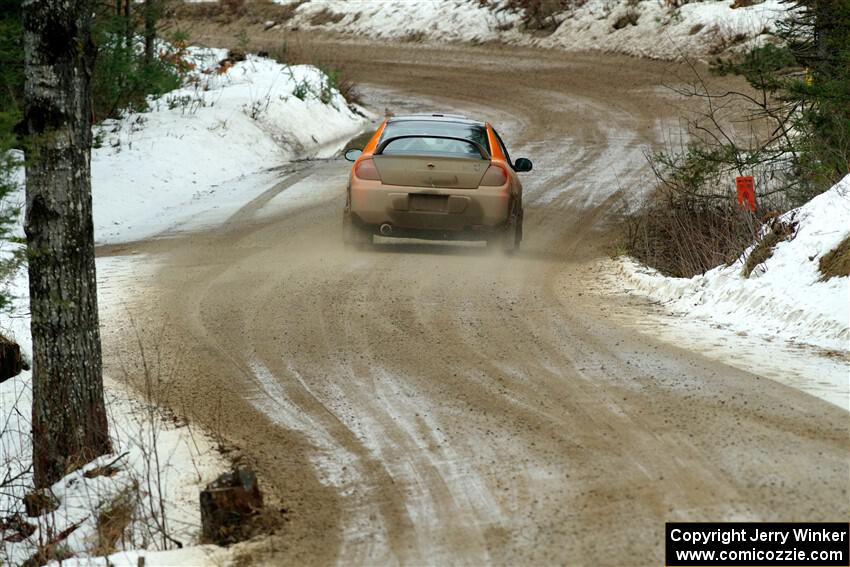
x,y
435,177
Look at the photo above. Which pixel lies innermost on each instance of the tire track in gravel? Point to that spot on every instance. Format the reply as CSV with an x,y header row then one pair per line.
x,y
432,404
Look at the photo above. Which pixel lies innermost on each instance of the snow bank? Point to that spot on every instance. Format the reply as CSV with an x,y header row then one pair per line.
x,y
212,144
783,298
647,28
432,20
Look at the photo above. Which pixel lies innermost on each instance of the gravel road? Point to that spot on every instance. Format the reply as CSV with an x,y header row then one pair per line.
x,y
435,403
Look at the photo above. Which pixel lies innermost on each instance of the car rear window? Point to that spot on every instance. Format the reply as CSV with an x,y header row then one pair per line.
x,y
473,132
428,145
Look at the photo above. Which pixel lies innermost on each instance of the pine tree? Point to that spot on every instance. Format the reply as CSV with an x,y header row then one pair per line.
x,y
808,73
817,33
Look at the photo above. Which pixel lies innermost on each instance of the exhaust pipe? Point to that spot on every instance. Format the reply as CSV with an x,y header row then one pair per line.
x,y
386,229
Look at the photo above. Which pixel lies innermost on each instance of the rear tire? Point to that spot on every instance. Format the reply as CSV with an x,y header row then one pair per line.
x,y
512,237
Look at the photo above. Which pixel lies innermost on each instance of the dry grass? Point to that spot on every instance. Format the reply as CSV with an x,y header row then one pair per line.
x,y
266,521
629,18
696,28
271,523
836,263
104,470
112,521
55,549
229,11
682,236
248,31
297,53
415,37
40,501
540,15
325,17
346,85
16,528
723,37
777,232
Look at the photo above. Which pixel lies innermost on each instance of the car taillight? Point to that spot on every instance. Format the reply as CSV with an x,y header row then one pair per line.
x,y
365,169
495,176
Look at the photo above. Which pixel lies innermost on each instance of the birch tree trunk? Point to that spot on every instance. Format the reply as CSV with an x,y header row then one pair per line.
x,y
68,416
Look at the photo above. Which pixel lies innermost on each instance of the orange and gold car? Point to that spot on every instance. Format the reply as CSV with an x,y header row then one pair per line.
x,y
435,176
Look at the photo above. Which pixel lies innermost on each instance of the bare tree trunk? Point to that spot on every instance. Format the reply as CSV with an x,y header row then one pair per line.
x,y
68,417
128,23
151,15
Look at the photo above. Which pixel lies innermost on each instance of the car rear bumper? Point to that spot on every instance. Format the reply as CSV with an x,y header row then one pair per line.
x,y
420,212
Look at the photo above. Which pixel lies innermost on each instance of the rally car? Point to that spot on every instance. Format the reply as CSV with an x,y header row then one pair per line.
x,y
435,176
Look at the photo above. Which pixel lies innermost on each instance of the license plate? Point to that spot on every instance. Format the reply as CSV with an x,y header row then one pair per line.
x,y
429,203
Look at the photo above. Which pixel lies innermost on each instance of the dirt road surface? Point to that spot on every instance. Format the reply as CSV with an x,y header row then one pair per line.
x,y
441,404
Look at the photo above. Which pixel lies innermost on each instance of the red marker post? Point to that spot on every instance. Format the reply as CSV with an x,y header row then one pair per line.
x,y
746,187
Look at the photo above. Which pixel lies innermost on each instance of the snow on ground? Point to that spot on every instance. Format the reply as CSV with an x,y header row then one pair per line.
x,y
646,28
649,29
784,300
198,155
432,20
212,145
163,502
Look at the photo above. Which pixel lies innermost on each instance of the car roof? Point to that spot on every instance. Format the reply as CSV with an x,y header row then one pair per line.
x,y
436,117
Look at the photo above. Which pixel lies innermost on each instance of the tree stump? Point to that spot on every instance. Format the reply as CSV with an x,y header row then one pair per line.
x,y
11,362
228,505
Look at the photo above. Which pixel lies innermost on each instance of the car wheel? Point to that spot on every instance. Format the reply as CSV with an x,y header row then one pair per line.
x,y
518,231
512,236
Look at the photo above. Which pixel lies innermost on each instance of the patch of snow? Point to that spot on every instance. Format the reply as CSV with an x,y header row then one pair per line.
x,y
310,191
212,145
619,161
695,29
186,557
433,20
335,465
164,497
646,28
784,299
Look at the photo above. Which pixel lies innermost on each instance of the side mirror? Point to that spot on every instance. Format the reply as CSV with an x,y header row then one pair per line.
x,y
522,164
352,154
